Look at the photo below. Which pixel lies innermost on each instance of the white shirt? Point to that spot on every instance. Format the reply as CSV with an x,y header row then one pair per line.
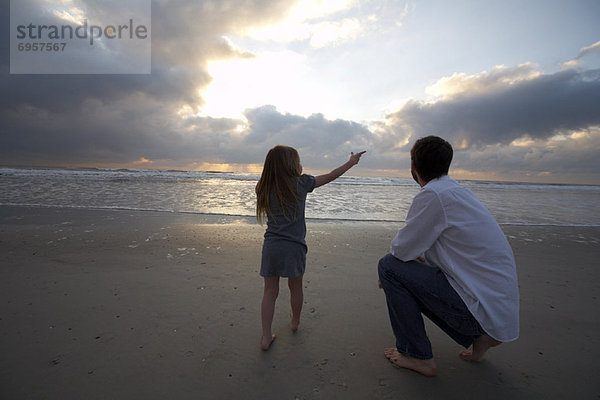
x,y
450,227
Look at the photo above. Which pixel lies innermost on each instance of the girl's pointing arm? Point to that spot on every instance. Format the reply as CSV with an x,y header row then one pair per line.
x,y
339,171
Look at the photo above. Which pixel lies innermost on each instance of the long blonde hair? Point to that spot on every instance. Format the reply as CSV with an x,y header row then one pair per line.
x,y
282,164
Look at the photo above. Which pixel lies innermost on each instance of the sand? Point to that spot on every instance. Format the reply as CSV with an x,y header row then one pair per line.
x,y
98,304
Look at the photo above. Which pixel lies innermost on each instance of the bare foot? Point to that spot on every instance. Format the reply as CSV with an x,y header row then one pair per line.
x,y
295,322
265,343
424,367
480,346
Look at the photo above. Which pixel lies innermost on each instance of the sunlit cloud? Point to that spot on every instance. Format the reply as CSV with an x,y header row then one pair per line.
x,y
594,48
585,52
310,9
315,21
402,15
570,64
74,15
331,33
319,34
483,82
522,142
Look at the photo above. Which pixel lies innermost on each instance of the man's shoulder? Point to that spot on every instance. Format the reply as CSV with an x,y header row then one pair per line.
x,y
447,190
442,184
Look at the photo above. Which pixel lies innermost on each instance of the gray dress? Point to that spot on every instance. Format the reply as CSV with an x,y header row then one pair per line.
x,y
284,249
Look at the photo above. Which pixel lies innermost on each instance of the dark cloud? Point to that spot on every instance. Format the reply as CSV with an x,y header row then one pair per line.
x,y
568,160
314,133
128,130
538,107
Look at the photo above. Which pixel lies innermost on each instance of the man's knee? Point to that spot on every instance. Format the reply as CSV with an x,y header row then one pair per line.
x,y
386,264
392,268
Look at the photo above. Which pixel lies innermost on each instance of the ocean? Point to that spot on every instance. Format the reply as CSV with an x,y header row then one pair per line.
x,y
349,198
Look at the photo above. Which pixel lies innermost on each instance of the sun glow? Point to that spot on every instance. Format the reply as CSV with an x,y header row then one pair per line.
x,y
271,78
224,167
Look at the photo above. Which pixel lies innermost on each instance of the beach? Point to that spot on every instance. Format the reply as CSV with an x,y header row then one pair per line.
x,y
121,304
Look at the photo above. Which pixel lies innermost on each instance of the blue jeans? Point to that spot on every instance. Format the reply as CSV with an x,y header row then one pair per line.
x,y
412,289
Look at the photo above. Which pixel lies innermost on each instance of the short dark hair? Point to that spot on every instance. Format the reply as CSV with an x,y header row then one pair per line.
x,y
432,156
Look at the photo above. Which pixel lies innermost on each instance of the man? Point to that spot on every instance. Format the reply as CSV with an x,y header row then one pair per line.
x,y
451,262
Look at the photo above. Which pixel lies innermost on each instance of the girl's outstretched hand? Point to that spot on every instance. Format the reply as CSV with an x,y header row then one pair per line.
x,y
339,171
355,157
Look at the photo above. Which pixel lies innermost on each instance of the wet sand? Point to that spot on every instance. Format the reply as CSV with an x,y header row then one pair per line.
x,y
98,304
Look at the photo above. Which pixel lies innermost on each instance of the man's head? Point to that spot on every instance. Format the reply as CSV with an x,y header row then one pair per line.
x,y
430,158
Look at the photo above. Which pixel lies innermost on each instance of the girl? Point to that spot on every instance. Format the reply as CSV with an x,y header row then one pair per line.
x,y
281,195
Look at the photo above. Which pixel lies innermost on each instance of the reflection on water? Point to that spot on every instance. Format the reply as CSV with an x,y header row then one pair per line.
x,y
348,198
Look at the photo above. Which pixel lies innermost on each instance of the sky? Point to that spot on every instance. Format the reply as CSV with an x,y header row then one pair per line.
x,y
514,86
